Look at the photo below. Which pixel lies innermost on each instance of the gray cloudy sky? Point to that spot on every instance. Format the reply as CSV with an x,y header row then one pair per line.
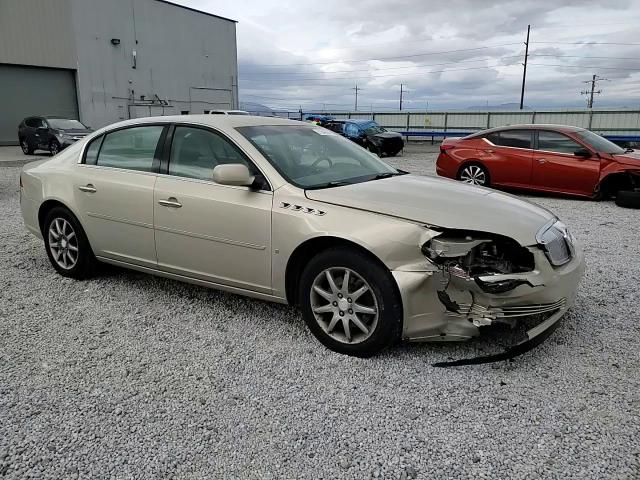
x,y
451,54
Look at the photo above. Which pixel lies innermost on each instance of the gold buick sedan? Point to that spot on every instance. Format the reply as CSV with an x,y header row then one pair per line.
x,y
293,213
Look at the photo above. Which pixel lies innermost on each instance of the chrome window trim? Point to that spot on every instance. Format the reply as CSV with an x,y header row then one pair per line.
x,y
128,170
211,182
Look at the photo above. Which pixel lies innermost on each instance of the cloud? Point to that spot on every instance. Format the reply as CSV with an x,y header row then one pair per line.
x,y
311,54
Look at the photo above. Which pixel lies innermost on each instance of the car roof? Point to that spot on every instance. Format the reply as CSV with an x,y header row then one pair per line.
x,y
222,121
360,120
534,126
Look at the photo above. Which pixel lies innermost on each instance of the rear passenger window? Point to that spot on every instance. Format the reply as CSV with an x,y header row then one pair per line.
x,y
130,148
91,153
514,138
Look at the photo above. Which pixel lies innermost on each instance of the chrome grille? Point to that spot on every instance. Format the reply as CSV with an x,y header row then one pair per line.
x,y
481,315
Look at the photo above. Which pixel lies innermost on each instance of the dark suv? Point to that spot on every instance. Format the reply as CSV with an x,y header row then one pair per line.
x,y
368,134
49,133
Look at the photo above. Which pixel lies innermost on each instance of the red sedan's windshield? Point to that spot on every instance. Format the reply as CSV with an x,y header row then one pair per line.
x,y
598,143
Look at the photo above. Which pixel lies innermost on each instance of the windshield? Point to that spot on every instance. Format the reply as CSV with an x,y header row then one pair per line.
x,y
599,143
314,157
65,124
371,128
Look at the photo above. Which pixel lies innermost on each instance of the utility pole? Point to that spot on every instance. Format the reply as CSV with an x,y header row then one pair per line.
x,y
401,96
594,79
357,89
524,73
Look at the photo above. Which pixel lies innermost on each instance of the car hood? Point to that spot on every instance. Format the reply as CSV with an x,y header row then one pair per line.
x,y
444,203
386,135
632,158
76,131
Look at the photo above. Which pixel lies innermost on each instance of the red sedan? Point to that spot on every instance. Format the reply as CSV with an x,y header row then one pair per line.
x,y
547,158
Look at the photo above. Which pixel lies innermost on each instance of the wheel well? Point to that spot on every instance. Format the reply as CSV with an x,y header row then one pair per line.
x,y
45,208
306,251
612,183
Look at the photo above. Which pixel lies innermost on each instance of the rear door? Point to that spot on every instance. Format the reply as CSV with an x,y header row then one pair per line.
x,y
557,168
204,230
509,156
113,188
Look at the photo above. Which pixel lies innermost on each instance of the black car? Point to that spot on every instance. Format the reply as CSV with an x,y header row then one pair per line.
x,y
368,134
49,133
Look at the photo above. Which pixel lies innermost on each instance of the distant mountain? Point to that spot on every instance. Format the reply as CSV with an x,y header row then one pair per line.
x,y
256,108
502,106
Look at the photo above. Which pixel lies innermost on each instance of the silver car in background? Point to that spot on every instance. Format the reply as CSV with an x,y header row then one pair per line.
x,y
290,212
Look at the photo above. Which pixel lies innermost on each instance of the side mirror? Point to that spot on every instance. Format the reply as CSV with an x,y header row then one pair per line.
x,y
42,129
583,153
235,174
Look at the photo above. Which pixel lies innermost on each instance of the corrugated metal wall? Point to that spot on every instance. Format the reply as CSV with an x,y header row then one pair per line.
x,y
37,32
608,122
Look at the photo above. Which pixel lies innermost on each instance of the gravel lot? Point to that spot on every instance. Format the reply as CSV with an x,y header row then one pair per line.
x,y
131,376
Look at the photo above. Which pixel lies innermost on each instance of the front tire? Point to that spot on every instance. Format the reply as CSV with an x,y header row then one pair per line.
x,y
54,147
67,245
474,174
628,199
350,302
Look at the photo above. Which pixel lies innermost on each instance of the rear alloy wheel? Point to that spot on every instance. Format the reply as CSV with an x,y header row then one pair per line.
x,y
54,147
474,174
67,246
26,148
350,302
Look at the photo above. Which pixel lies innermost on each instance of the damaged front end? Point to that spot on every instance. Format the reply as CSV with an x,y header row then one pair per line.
x,y
481,279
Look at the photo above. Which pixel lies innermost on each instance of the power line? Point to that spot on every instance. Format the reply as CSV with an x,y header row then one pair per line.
x,y
391,58
637,69
317,72
587,43
580,56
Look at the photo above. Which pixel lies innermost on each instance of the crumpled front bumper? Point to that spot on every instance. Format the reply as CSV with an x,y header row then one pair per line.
x,y
431,316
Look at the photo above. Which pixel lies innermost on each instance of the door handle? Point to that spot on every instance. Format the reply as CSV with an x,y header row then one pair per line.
x,y
89,188
171,202
542,160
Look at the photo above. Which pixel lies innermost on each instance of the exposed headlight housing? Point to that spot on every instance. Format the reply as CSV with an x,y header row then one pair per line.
x,y
556,241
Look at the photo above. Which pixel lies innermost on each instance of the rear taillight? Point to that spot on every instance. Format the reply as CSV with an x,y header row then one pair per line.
x,y
444,148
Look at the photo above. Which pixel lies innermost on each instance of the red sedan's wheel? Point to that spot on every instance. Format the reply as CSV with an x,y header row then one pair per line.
x,y
474,174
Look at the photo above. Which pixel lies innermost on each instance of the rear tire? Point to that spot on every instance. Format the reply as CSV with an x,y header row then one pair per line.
x,y
628,199
26,148
67,245
358,319
474,174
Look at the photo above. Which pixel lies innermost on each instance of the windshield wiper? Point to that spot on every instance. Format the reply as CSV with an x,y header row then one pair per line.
x,y
380,176
328,185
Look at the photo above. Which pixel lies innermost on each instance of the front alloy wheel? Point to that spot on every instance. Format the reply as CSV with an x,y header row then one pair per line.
x,y
54,148
350,302
474,175
348,313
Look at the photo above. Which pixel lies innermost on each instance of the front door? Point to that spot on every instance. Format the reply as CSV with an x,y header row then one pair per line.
x,y
113,188
557,168
205,230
